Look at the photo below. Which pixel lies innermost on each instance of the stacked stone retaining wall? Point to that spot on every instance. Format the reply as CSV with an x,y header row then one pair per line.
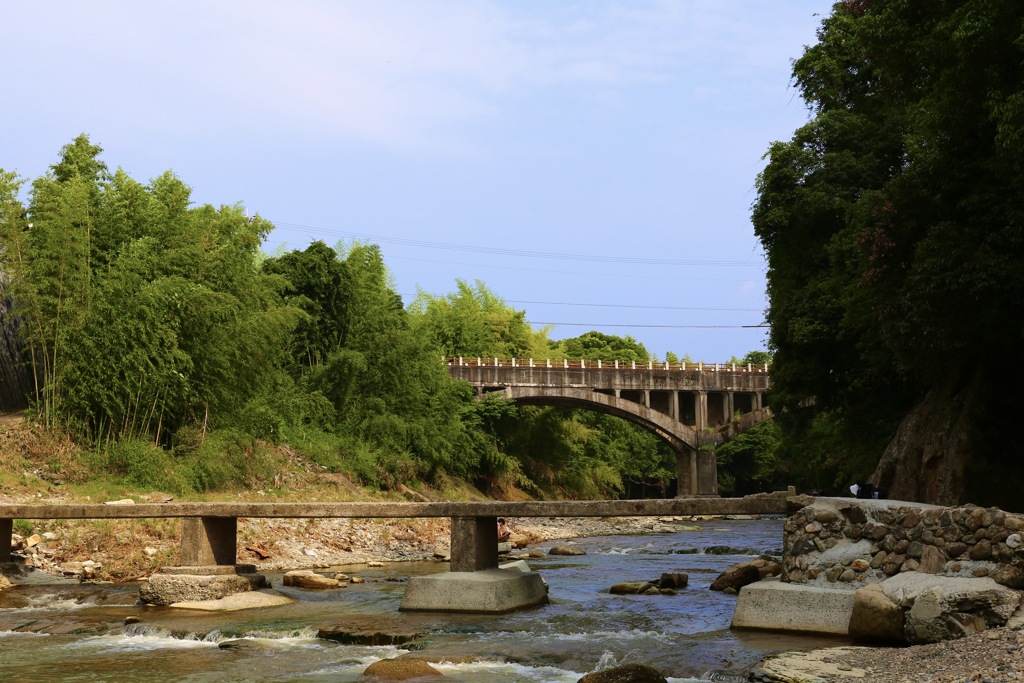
x,y
849,543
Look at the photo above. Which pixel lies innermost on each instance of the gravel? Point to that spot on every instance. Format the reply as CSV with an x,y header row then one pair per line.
x,y
993,656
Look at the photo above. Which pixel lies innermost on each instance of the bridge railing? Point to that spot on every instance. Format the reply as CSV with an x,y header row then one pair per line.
x,y
581,363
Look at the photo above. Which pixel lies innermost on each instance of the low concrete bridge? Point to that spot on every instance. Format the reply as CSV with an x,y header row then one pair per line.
x,y
692,406
210,531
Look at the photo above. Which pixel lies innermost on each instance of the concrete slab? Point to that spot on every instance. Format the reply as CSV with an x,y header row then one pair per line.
x,y
248,600
776,606
490,590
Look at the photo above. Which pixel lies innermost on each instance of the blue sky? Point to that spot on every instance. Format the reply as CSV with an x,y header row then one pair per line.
x,y
593,163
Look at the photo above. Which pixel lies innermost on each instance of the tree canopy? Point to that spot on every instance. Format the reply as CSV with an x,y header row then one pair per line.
x,y
894,232
158,331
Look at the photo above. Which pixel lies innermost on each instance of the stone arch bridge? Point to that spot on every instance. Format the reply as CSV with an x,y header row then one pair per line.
x,y
692,406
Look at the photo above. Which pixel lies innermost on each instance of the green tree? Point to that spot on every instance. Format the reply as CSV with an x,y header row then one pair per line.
x,y
892,221
474,322
599,346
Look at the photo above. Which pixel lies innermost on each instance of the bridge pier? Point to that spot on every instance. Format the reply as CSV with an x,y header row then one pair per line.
x,y
474,582
208,540
6,537
696,474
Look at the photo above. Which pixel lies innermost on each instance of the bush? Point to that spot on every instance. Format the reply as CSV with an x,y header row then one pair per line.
x,y
145,465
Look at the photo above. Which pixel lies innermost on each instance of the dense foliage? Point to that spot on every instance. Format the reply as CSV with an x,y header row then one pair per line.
x,y
894,227
161,334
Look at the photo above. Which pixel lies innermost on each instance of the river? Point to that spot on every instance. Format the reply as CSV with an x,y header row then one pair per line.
x,y
686,636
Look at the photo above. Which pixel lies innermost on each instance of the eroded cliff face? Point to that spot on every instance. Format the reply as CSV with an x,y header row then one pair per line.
x,y
927,459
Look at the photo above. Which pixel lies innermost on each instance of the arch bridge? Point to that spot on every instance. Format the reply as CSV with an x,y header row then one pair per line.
x,y
692,406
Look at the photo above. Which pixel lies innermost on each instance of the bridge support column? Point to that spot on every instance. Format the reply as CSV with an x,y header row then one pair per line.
x,y
700,407
474,543
686,473
208,569
730,406
647,398
6,534
673,405
475,582
696,473
707,473
208,540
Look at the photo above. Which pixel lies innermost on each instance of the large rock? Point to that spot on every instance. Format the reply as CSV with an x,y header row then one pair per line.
x,y
401,669
631,587
566,550
945,608
737,576
627,673
926,459
875,617
304,578
4,583
167,588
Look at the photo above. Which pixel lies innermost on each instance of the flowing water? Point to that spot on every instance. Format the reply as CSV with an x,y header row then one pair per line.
x,y
585,628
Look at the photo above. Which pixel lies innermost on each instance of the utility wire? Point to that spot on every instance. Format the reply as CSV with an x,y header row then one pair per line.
x,y
632,276
674,327
501,251
631,306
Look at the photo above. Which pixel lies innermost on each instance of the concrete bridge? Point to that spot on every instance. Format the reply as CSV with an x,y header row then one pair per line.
x,y
474,583
692,406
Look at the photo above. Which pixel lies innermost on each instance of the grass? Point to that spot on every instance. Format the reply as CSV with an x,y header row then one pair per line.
x,y
39,466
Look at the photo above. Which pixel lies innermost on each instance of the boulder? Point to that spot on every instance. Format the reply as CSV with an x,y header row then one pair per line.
x,y
566,550
627,673
737,576
1008,575
304,578
933,560
945,608
673,580
631,588
4,583
875,617
401,669
167,589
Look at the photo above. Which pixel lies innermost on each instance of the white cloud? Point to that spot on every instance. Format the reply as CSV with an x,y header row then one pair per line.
x,y
402,74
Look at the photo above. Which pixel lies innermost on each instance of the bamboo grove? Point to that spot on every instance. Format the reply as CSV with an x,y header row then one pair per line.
x,y
158,333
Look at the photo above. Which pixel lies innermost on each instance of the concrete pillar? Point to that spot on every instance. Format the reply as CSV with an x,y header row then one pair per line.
x,y
474,544
686,466
208,540
707,473
726,415
700,407
730,405
673,405
647,397
6,530
618,393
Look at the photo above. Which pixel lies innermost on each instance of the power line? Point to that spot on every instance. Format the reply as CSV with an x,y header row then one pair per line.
x,y
502,251
630,306
631,276
674,327
653,308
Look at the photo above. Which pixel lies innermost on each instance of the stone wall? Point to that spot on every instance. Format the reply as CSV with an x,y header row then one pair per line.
x,y
850,543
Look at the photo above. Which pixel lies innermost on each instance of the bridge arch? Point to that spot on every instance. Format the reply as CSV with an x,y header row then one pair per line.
x,y
679,436
603,387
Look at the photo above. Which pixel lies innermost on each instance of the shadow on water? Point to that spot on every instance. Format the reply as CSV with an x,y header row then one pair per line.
x,y
686,636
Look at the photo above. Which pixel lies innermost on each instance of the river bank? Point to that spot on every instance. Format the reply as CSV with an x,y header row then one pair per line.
x,y
993,655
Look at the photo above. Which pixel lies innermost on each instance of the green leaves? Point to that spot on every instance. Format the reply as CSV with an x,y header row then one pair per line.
x,y
892,220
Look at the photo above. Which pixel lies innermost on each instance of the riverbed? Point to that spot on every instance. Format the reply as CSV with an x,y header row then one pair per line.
x,y
686,636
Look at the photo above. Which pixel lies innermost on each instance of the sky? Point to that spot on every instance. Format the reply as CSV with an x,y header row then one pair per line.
x,y
592,163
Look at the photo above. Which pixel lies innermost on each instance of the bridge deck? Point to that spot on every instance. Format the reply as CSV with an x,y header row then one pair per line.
x,y
577,508
210,530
